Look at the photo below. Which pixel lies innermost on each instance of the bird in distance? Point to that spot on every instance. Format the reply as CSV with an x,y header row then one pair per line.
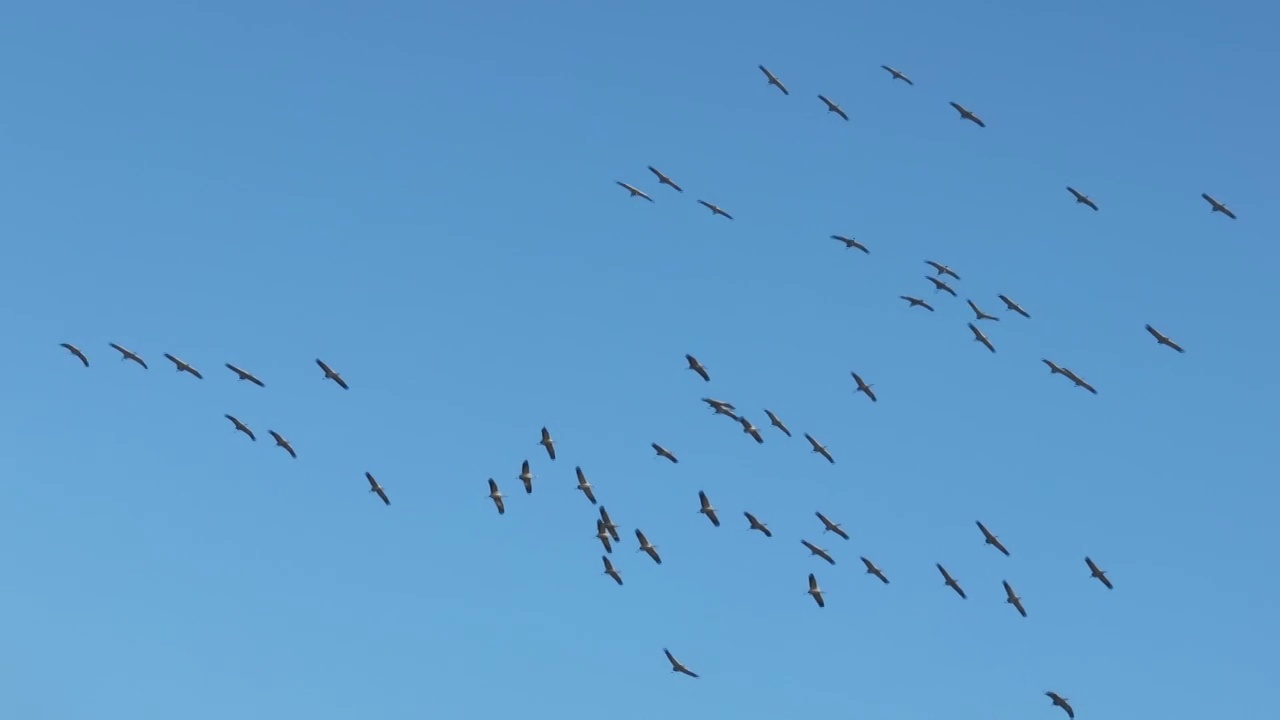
x,y
873,570
942,269
820,448
863,388
76,351
635,192
1061,702
182,366
1012,598
1081,198
707,509
280,441
773,80
978,336
940,285
610,570
916,302
241,427
585,486
828,526
698,367
850,243
676,666
647,547
815,591
548,443
1164,339
820,552
951,582
1097,572
1217,206
750,429
966,115
1080,383
978,312
664,180
663,452
774,421
832,107
897,75
243,375
329,374
497,497
757,525
1013,306
715,209
374,487
608,524
126,354
526,477
991,539
602,534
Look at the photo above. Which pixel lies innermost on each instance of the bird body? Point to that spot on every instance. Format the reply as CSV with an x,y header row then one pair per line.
x,y
820,552
610,570
951,582
676,666
1099,573
991,539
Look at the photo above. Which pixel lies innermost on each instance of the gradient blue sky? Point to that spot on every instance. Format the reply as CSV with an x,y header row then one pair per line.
x,y
423,194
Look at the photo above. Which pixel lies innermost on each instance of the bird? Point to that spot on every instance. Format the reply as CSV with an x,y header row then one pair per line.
x,y
676,666
721,407
951,582
966,115
664,180
127,354
850,243
774,421
815,591
76,351
707,509
610,570
917,302
873,570
585,486
897,75
1217,206
1097,572
243,375
648,547
241,427
942,269
978,336
663,452
698,367
773,80
374,487
991,539
828,526
1082,198
329,374
820,448
832,107
602,534
496,496
1163,339
750,429
1013,306
635,192
978,311
283,443
863,388
1062,703
940,285
608,524
1053,367
548,443
1078,381
815,550
183,366
1012,598
715,209
757,525
526,477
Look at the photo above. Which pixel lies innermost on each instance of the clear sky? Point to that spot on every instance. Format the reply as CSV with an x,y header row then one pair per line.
x,y
422,194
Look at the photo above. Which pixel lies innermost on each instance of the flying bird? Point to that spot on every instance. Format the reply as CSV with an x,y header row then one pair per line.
x,y
951,582
820,448
757,525
897,75
243,375
773,80
663,179
1217,206
991,539
127,354
832,107
183,366
873,570
863,388
750,429
280,441
608,524
1164,339
1080,383
1097,572
707,509
828,526
663,452
1081,198
329,374
548,443
496,496
1012,598
635,192
774,421
585,486
526,477
241,427
374,487
1062,703
966,115
815,591
940,285
610,570
815,550
942,269
916,302
648,547
978,336
1013,306
978,311
676,666
698,367
602,534
76,351
1053,367
720,407
715,209
850,243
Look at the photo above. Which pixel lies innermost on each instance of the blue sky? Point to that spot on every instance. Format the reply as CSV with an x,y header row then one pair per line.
x,y
423,194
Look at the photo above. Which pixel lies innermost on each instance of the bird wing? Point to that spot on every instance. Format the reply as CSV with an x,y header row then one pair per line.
x,y
999,545
827,454
1155,334
640,536
813,582
702,499
373,484
652,552
977,334
842,113
840,532
1008,590
1093,568
825,556
524,468
985,532
177,363
194,371
755,435
608,566
327,370
672,659
382,494
708,205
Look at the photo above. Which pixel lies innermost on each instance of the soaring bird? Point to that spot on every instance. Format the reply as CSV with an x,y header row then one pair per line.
x,y
917,302
897,75
951,582
832,107
1097,572
1080,383
1164,339
676,666
241,427
663,179
374,487
978,336
966,115
244,375
127,354
697,367
76,351
548,443
773,80
1013,306
1082,198
850,243
942,269
1053,367
663,452
1012,598
526,477
635,192
585,486
602,534
815,550
1217,206
991,539
497,497
707,509
721,407
774,421
820,448
873,570
750,429
648,547
280,441
715,209
1062,703
978,311
610,570
182,366
608,524
329,374
863,388
815,591
828,526
940,285
757,525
